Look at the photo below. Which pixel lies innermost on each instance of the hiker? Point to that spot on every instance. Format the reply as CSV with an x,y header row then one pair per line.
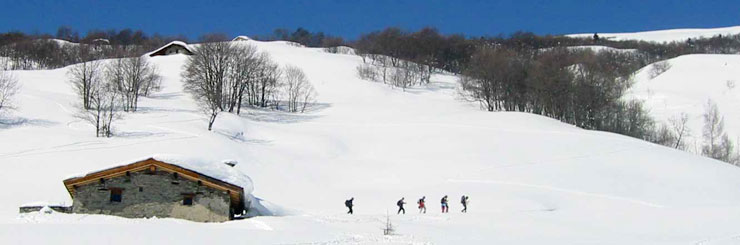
x,y
400,204
349,205
445,208
422,207
464,201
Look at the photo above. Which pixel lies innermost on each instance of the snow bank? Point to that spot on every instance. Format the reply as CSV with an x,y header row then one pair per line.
x,y
261,207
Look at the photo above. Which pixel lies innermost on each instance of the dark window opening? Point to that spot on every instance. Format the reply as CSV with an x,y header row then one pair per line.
x,y
200,183
102,181
187,200
116,194
175,183
141,189
175,175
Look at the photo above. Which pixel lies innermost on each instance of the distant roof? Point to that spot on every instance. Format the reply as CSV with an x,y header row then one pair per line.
x,y
241,38
176,43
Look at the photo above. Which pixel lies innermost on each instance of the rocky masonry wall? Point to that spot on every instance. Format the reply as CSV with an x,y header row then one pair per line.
x,y
149,194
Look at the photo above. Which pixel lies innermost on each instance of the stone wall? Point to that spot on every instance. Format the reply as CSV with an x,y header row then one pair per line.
x,y
161,194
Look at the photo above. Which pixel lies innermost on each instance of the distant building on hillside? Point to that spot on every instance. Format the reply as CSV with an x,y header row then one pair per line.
x,y
241,38
174,47
100,41
155,187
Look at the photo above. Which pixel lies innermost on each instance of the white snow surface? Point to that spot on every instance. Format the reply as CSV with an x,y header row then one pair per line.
x,y
671,35
531,179
686,87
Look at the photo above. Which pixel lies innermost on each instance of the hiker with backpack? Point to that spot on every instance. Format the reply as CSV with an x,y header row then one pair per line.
x,y
464,201
421,202
445,207
349,205
400,204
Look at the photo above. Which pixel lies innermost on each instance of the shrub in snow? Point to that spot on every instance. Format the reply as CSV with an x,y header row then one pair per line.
x,y
367,72
659,68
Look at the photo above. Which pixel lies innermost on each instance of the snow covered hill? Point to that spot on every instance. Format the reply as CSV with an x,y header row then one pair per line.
x,y
531,179
665,35
686,87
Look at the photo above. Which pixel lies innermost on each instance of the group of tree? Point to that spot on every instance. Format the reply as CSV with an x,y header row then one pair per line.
x,y
105,89
452,52
426,47
305,38
715,143
223,76
579,87
545,75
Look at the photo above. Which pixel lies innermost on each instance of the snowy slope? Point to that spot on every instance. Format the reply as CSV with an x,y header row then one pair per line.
x,y
531,179
686,87
671,35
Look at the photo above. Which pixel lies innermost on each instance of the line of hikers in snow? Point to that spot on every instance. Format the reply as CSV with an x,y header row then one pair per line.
x,y
464,200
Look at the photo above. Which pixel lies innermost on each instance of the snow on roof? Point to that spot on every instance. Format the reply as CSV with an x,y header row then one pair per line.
x,y
241,38
214,169
103,40
179,43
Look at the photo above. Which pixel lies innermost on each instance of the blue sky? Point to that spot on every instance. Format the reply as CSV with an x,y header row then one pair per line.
x,y
351,18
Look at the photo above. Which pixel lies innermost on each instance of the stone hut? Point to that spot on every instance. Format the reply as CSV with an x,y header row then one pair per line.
x,y
163,187
174,47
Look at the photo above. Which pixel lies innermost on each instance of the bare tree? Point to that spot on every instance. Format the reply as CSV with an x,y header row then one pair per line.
x,y
8,88
82,77
297,89
104,107
243,65
138,75
205,77
680,128
151,80
717,144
